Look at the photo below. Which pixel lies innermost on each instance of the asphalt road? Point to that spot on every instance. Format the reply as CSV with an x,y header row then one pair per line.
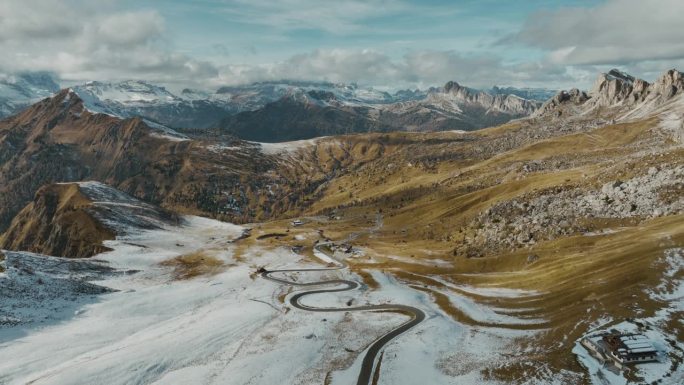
x,y
417,315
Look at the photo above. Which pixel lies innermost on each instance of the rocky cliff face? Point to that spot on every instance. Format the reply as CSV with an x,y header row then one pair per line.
x,y
564,100
617,95
502,103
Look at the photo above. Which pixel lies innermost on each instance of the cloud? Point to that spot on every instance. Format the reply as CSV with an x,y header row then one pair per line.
x,y
617,32
414,69
83,41
336,17
129,28
35,19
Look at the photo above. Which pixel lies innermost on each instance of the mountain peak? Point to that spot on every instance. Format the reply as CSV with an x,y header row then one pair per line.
x,y
618,95
452,85
617,74
670,83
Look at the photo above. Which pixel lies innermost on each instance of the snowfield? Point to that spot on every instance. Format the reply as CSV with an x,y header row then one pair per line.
x,y
122,318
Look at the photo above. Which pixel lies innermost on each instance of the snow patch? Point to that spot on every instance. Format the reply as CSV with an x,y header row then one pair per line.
x,y
286,147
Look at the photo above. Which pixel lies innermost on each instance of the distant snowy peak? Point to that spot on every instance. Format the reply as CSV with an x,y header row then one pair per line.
x,y
21,90
200,109
256,95
128,92
470,97
133,98
29,85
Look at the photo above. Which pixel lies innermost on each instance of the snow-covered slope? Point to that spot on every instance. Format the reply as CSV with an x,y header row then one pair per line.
x,y
124,318
254,96
20,90
152,102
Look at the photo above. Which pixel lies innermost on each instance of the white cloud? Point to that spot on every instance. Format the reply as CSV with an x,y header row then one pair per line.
x,y
85,40
416,68
35,19
129,28
337,17
81,40
612,33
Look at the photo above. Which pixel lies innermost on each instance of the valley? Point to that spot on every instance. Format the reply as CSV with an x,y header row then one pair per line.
x,y
500,247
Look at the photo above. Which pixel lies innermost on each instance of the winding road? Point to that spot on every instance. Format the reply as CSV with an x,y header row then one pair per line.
x,y
417,315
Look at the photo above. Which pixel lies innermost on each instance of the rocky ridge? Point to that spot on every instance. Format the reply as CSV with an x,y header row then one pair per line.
x,y
559,212
617,95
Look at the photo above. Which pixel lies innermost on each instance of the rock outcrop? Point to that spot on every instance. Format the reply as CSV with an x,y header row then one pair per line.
x,y
617,95
574,98
562,212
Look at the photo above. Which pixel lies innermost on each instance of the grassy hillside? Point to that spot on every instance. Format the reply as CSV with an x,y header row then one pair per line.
x,y
438,211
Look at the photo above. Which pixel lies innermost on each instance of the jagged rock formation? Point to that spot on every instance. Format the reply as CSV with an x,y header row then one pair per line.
x,y
503,103
574,98
617,95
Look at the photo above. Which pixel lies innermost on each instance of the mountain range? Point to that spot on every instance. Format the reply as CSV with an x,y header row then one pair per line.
x,y
488,230
329,107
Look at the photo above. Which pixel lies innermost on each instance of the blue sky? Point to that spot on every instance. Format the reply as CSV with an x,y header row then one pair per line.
x,y
384,43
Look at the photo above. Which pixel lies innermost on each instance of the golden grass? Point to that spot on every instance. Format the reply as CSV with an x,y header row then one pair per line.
x,y
193,265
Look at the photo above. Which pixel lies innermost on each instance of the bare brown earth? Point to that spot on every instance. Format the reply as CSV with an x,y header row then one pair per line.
x,y
194,264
